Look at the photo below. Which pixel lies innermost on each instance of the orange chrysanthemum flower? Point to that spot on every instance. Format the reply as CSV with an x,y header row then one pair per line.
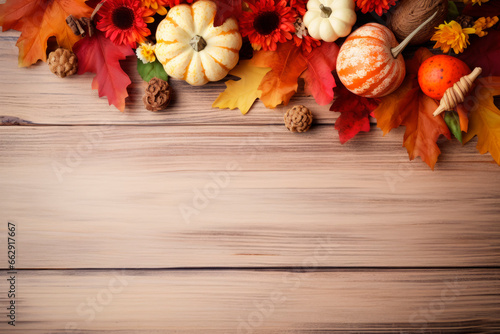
x,y
452,36
479,2
125,21
379,6
267,23
157,6
484,23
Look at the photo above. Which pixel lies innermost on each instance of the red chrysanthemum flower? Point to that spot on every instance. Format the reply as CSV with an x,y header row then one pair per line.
x,y
268,22
125,21
306,43
301,37
300,6
379,6
172,3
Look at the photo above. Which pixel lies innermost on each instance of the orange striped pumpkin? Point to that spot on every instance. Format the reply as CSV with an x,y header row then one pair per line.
x,y
192,49
365,63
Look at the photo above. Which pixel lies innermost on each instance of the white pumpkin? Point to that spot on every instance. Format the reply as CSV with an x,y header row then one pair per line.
x,y
327,20
192,49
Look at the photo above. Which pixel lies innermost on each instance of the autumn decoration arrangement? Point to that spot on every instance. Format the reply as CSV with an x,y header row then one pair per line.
x,y
347,53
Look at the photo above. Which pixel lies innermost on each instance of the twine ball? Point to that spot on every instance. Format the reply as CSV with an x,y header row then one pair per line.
x,y
409,14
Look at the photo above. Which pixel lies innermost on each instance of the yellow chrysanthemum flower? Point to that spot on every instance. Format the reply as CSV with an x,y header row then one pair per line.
x,y
158,6
479,2
452,35
484,23
146,53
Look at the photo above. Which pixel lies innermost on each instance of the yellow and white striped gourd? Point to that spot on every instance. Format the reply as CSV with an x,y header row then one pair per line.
x,y
192,49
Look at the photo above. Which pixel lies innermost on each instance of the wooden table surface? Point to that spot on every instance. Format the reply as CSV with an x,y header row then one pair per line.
x,y
204,220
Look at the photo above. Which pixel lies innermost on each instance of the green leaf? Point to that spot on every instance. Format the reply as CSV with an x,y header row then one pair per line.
x,y
452,11
453,121
150,70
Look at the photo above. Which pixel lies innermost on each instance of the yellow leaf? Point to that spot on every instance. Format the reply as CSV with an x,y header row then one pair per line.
x,y
484,117
242,94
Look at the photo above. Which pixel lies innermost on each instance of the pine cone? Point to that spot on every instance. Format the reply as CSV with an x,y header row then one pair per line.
x,y
63,62
298,119
158,94
465,21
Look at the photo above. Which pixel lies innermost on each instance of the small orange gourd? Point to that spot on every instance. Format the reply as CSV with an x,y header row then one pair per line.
x,y
438,73
370,63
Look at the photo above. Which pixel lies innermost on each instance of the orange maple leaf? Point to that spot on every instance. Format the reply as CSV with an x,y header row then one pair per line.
x,y
280,84
463,115
411,108
484,117
37,20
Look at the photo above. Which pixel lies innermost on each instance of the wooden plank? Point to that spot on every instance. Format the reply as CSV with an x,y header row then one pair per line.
x,y
34,94
402,301
149,197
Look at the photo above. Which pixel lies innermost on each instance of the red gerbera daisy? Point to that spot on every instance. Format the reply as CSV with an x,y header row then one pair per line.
x,y
379,6
268,22
301,37
124,21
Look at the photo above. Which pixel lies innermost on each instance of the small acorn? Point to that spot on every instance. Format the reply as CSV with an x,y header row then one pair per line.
x,y
62,62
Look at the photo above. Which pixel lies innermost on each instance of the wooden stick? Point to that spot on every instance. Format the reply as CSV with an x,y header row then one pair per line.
x,y
96,9
456,94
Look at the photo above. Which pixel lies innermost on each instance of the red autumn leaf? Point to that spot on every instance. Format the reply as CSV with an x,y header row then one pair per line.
x,y
99,55
37,20
355,111
491,8
226,9
409,107
318,77
280,84
484,52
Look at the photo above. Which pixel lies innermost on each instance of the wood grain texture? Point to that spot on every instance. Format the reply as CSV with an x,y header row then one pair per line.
x,y
229,223
402,301
280,197
35,94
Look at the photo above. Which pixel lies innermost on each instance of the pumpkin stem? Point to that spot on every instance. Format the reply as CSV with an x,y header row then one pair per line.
x,y
325,11
398,49
198,43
